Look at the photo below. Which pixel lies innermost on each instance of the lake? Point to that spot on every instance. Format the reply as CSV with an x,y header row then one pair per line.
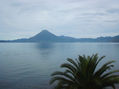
x,y
29,65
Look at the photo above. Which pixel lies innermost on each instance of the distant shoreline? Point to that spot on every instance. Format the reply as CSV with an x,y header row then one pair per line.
x,y
46,36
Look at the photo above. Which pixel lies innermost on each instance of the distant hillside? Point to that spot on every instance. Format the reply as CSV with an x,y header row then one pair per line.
x,y
46,36
4,41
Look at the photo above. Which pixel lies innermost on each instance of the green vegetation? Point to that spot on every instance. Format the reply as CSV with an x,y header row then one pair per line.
x,y
83,73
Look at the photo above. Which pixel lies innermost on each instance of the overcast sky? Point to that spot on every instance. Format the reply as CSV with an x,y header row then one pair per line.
x,y
76,18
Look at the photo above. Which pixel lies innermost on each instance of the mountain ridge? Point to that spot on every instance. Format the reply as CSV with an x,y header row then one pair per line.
x,y
46,36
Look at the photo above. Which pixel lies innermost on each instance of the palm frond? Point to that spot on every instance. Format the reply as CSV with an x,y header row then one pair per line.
x,y
68,66
82,73
58,73
105,67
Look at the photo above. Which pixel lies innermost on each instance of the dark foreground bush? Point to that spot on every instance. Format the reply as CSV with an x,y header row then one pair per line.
x,y
83,73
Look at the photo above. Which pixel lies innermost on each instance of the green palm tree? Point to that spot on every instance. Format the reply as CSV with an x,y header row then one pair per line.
x,y
83,73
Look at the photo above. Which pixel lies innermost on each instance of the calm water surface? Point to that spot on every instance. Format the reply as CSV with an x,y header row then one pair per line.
x,y
29,65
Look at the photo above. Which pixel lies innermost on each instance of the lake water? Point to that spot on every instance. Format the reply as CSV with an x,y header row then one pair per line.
x,y
29,65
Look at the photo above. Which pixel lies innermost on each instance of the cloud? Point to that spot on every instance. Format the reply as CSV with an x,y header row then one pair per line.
x,y
113,10
77,18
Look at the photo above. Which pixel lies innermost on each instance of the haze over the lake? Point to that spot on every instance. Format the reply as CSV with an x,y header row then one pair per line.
x,y
76,18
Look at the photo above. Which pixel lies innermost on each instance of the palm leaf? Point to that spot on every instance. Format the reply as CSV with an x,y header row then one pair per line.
x,y
82,73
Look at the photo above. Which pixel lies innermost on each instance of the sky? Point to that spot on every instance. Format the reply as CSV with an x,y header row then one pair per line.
x,y
75,18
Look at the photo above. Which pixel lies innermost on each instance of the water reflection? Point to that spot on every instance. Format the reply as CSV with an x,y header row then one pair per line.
x,y
45,45
45,48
